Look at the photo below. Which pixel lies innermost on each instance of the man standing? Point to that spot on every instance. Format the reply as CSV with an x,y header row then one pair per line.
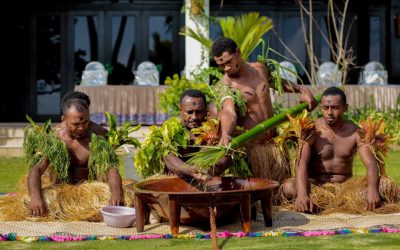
x,y
253,82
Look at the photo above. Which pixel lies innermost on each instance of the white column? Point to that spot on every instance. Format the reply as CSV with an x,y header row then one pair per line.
x,y
196,55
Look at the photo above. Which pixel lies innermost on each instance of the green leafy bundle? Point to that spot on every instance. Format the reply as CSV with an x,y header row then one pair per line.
x,y
102,157
41,143
208,134
168,138
221,91
239,166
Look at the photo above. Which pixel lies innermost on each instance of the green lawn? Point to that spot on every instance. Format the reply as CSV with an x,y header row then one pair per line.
x,y
371,241
12,168
392,162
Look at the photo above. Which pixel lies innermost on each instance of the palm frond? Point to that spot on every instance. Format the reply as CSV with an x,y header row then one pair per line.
x,y
246,30
196,35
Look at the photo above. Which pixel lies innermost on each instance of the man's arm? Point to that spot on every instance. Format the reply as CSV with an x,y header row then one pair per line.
x,y
115,183
303,202
372,175
228,121
305,93
36,204
178,167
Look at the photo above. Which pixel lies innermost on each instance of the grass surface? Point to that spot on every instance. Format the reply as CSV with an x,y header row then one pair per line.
x,y
392,163
371,241
11,169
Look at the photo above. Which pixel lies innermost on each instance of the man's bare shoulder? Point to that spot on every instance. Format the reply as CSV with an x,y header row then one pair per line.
x,y
261,69
351,125
97,129
319,123
60,129
258,65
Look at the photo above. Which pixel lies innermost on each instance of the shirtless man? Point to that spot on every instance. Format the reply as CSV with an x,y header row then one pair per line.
x,y
75,132
93,127
328,155
193,112
252,80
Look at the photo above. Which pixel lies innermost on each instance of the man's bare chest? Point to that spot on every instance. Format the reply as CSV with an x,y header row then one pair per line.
x,y
252,91
330,147
79,153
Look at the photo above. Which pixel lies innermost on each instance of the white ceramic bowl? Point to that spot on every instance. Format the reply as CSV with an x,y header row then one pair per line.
x,y
117,216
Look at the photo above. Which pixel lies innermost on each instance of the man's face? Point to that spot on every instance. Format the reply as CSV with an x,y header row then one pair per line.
x,y
76,122
229,63
332,109
193,111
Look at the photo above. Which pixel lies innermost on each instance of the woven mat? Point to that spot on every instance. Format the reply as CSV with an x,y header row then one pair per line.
x,y
282,220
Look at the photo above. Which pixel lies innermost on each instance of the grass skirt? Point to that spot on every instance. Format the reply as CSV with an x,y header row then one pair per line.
x,y
65,202
350,197
268,161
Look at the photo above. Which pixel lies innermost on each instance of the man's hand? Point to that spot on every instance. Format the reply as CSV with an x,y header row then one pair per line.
x,y
116,199
373,199
225,140
307,96
303,204
203,176
37,207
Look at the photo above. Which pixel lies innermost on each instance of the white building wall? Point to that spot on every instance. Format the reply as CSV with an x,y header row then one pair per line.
x,y
196,55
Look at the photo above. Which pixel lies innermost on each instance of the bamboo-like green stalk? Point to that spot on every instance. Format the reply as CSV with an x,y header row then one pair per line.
x,y
209,157
267,124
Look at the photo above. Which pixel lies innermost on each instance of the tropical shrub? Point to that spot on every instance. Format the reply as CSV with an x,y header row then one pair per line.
x,y
169,100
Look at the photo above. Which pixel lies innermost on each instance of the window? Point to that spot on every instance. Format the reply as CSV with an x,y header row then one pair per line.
x,y
48,71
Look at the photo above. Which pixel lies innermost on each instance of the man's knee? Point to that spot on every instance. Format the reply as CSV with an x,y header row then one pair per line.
x,y
289,188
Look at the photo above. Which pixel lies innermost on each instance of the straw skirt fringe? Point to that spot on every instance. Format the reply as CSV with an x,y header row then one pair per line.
x,y
268,161
66,202
350,197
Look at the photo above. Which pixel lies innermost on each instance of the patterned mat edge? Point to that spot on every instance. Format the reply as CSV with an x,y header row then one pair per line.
x,y
62,237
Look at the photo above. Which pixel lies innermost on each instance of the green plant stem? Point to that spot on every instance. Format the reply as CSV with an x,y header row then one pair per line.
x,y
260,128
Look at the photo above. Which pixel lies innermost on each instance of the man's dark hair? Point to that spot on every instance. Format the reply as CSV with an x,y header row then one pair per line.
x,y
223,44
335,91
79,100
193,93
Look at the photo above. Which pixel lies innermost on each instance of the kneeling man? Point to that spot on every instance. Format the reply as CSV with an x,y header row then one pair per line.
x,y
327,157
